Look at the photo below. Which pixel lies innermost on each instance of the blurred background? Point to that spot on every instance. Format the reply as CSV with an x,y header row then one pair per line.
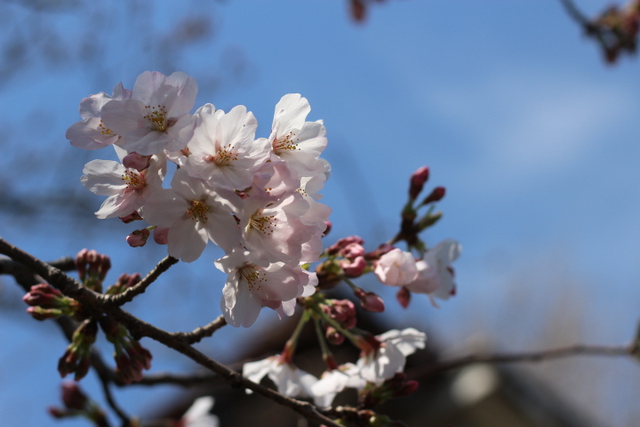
x,y
516,112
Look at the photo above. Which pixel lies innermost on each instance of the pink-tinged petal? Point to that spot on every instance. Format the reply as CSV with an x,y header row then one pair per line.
x,y
256,371
118,205
223,230
103,177
183,89
186,241
291,112
246,309
163,208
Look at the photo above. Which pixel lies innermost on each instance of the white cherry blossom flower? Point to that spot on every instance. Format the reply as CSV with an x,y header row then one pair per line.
x,y
198,415
396,268
156,116
435,276
293,139
127,188
389,359
194,215
272,228
333,382
223,150
289,380
91,133
253,284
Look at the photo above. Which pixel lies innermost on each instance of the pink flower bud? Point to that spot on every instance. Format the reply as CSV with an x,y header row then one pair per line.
x,y
352,250
418,178
72,396
404,297
138,238
161,235
370,301
436,195
57,412
333,336
136,161
43,295
327,229
353,268
336,247
407,388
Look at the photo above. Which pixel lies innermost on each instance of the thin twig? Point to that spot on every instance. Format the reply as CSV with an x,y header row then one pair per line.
x,y
139,328
126,422
198,334
142,285
533,356
575,14
183,380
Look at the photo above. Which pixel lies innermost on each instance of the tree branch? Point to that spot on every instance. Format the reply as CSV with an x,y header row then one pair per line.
x,y
142,285
205,331
139,328
534,356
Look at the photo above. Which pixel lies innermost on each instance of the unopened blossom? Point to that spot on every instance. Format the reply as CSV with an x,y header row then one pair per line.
x,y
91,133
435,275
156,116
383,363
127,188
252,284
223,150
289,380
298,142
194,214
396,268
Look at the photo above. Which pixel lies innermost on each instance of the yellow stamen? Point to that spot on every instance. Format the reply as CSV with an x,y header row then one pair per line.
x,y
158,117
198,211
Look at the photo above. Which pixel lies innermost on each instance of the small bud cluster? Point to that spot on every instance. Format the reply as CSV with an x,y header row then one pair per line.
x,y
92,268
47,302
131,358
616,29
76,403
77,357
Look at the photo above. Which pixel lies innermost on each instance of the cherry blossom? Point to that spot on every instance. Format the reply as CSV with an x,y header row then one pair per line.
x,y
380,364
333,382
223,150
294,140
156,116
194,214
289,380
252,284
198,415
273,230
127,188
396,268
91,133
435,276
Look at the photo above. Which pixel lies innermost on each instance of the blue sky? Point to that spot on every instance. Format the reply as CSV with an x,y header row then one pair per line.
x,y
512,108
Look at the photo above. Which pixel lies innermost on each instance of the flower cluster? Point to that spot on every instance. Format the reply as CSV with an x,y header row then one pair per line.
x,y
256,198
431,275
382,357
